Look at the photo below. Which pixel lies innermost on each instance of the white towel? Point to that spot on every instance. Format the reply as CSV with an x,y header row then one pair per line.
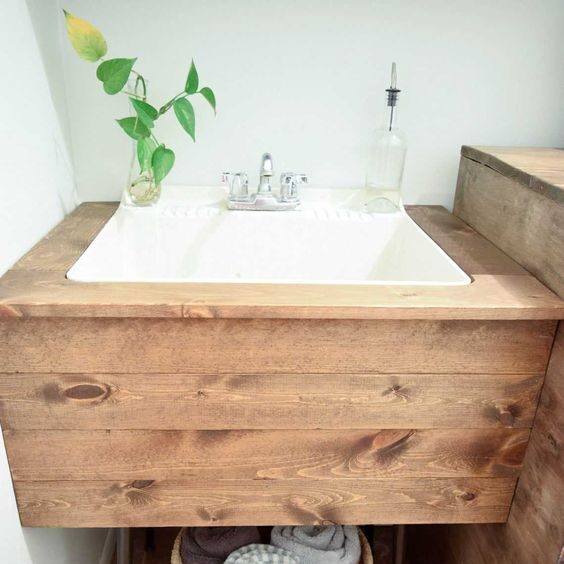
x,y
333,544
262,554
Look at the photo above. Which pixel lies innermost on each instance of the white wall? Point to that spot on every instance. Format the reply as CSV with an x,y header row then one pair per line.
x,y
37,185
36,189
304,79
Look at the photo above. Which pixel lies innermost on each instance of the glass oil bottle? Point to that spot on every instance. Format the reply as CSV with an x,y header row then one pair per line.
x,y
386,160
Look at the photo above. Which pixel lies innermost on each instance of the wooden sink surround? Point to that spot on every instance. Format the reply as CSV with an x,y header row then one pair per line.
x,y
190,404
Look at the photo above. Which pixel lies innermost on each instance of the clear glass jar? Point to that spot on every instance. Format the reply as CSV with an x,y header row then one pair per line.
x,y
140,188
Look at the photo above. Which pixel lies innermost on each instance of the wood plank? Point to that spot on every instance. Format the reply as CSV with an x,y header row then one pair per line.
x,y
526,187
501,289
265,455
473,254
488,297
539,168
535,527
274,346
262,502
64,244
533,229
266,401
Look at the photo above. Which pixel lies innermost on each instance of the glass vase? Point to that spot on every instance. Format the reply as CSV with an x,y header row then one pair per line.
x,y
140,188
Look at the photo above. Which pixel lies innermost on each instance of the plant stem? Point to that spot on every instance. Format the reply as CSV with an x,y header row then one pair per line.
x,y
169,104
133,95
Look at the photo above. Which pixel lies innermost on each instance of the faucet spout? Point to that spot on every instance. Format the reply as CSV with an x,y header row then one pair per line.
x,y
266,173
264,199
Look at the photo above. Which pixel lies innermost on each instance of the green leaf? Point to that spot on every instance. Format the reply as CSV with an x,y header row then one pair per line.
x,y
185,114
145,149
134,127
87,41
192,80
114,74
208,94
145,112
162,162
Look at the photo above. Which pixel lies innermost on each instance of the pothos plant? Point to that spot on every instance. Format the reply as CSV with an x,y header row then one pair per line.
x,y
155,159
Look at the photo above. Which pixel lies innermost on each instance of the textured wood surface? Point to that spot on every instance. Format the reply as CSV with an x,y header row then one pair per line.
x,y
62,247
526,187
265,455
266,401
269,404
262,502
535,528
501,289
274,346
532,231
540,169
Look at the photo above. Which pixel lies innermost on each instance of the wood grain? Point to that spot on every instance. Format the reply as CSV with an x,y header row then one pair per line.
x,y
262,502
488,297
274,346
64,244
533,229
526,186
266,401
265,455
535,528
539,168
501,289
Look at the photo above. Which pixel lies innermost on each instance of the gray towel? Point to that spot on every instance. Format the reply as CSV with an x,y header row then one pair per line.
x,y
212,545
333,544
262,554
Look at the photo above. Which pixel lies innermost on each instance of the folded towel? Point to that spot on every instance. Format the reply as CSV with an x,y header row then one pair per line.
x,y
333,544
262,554
212,545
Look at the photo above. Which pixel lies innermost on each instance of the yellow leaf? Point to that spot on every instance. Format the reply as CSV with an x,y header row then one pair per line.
x,y
87,41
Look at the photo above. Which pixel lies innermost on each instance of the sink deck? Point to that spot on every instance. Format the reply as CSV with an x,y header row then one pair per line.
x,y
501,289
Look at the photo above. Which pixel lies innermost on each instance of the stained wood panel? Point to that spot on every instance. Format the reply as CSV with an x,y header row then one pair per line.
x,y
533,228
267,401
62,247
526,187
194,404
262,502
539,168
264,455
274,346
535,528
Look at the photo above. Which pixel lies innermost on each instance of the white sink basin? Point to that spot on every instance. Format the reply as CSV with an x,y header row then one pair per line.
x,y
191,237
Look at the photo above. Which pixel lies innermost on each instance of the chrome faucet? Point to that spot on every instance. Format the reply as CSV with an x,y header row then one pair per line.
x,y
264,199
266,173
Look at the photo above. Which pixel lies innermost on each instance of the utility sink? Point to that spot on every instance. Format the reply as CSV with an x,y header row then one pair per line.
x,y
190,236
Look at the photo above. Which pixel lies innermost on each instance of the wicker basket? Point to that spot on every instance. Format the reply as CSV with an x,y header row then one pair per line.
x,y
365,558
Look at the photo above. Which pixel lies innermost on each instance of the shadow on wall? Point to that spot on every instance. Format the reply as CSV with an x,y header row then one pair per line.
x,y
48,28
38,186
62,546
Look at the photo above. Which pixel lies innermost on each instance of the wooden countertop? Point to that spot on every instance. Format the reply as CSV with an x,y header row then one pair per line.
x,y
36,286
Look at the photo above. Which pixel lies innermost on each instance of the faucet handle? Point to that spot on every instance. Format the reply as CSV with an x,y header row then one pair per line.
x,y
289,182
238,183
